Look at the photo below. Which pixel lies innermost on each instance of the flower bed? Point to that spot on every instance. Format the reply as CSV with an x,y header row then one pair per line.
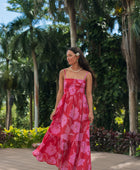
x,y
20,138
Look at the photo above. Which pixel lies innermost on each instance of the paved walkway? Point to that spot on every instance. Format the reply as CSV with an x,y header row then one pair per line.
x,y
22,159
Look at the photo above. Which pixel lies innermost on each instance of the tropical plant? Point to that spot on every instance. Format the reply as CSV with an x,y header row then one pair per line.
x,y
71,7
131,52
7,79
28,37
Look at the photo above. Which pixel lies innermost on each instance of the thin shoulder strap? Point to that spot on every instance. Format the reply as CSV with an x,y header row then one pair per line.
x,y
64,73
85,75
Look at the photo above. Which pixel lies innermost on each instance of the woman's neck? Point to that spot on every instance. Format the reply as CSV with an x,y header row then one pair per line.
x,y
75,66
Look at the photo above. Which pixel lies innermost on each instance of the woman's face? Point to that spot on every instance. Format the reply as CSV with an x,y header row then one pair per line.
x,y
71,57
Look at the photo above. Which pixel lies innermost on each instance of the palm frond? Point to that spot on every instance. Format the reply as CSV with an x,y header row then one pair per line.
x,y
4,45
3,30
40,33
52,7
136,28
20,41
136,19
19,24
32,9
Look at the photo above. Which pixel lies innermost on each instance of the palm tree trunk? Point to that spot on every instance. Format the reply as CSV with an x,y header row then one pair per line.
x,y
71,11
36,89
6,110
7,99
31,125
129,52
8,113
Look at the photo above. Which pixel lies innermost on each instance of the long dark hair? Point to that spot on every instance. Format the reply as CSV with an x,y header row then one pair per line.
x,y
83,62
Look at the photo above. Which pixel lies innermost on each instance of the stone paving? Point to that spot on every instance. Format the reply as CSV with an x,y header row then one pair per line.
x,y
22,159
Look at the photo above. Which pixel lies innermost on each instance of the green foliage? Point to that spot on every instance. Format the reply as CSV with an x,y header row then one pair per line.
x,y
7,80
22,138
46,102
21,104
136,20
111,93
105,58
31,8
52,60
2,119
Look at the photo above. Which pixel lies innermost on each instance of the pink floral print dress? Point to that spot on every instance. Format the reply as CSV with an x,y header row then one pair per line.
x,y
66,144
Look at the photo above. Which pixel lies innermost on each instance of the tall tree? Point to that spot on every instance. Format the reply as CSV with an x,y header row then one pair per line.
x,y
6,78
28,36
131,55
22,70
71,7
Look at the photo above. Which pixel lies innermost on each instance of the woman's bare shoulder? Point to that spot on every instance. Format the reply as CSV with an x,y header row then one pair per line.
x,y
89,75
85,71
62,70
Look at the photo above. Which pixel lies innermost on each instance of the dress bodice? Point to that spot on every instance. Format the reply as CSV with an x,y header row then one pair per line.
x,y
74,86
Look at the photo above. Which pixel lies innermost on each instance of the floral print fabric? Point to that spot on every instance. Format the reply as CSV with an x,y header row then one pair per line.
x,y
66,144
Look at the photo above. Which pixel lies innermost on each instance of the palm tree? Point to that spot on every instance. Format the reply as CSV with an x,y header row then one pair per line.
x,y
28,37
71,7
6,78
22,70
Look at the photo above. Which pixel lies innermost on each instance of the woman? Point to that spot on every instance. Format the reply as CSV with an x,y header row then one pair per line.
x,y
67,141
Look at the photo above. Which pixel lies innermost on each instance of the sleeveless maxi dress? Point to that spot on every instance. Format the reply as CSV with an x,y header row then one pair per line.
x,y
66,144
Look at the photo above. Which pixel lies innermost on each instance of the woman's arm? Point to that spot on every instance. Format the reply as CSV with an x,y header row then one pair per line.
x,y
61,88
89,92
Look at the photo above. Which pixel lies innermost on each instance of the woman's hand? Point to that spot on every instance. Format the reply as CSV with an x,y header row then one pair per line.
x,y
91,117
52,114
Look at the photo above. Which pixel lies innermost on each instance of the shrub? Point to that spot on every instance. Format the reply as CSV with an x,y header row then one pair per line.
x,y
4,137
21,138
110,141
